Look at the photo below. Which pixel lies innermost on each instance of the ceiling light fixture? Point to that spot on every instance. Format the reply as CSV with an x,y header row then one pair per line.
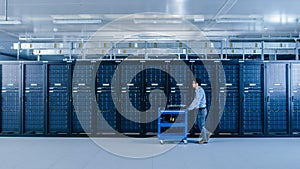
x,y
77,21
273,18
281,19
198,18
239,20
157,21
10,22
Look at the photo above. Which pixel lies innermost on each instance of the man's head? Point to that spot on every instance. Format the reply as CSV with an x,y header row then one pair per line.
x,y
196,83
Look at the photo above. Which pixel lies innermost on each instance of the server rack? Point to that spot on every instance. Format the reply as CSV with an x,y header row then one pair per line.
x,y
155,78
205,70
107,116
34,99
295,99
10,99
83,93
252,104
277,98
130,94
58,98
180,83
229,95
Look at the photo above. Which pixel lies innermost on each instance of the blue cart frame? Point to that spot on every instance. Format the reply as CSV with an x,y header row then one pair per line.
x,y
164,136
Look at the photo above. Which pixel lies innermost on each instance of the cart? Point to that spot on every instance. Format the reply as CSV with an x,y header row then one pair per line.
x,y
172,125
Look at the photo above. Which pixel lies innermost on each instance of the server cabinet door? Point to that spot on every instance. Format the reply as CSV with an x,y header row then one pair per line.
x,y
106,111
229,95
204,70
277,103
10,104
155,92
82,94
34,99
58,98
253,98
295,98
130,96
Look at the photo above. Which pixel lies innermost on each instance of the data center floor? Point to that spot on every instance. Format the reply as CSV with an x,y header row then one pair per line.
x,y
83,153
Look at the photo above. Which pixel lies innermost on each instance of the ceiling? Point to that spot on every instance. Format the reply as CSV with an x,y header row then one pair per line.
x,y
216,18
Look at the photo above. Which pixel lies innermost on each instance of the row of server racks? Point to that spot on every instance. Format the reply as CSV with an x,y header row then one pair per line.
x,y
122,97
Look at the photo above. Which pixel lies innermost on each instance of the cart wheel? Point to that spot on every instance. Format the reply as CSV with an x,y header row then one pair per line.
x,y
161,141
185,141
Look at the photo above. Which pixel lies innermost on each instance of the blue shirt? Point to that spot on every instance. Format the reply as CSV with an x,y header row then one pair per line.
x,y
199,100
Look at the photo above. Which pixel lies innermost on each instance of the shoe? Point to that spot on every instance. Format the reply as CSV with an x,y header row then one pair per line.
x,y
208,135
202,142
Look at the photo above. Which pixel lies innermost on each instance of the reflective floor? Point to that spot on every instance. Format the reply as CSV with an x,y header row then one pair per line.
x,y
148,153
